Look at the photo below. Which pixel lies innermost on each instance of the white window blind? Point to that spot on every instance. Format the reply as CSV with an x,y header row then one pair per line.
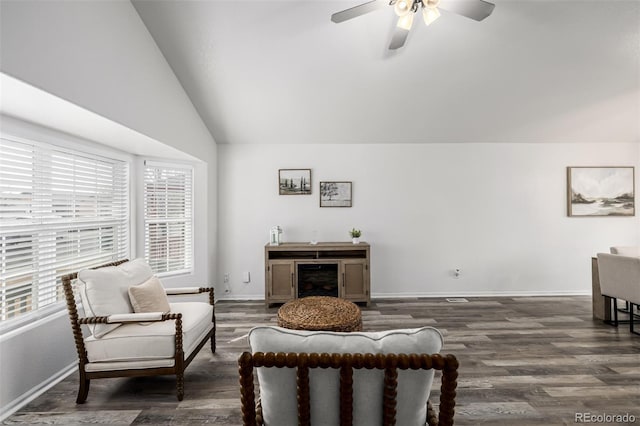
x,y
60,211
168,217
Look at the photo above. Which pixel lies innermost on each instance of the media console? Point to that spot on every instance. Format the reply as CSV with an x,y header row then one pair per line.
x,y
339,269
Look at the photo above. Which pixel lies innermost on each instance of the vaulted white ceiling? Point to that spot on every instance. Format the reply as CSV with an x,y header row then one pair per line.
x,y
281,72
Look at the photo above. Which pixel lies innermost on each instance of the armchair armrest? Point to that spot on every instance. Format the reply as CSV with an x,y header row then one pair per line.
x,y
176,291
139,317
184,290
135,317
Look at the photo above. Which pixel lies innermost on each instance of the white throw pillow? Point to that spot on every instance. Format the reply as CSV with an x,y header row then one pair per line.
x,y
278,385
104,291
149,297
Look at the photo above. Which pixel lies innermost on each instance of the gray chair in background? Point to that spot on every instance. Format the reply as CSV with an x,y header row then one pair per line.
x,y
630,251
620,279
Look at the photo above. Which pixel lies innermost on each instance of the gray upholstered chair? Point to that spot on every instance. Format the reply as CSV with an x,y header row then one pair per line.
x,y
631,251
620,279
130,328
327,378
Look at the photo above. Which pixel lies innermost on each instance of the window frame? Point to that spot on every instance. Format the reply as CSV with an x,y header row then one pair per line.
x,y
190,250
51,141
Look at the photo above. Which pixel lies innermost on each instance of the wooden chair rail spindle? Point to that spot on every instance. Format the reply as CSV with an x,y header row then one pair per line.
x,y
390,363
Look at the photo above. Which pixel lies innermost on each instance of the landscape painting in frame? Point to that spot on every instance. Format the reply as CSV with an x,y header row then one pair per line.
x,y
294,181
601,191
335,194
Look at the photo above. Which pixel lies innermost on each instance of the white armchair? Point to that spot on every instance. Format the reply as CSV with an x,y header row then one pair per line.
x,y
133,330
620,279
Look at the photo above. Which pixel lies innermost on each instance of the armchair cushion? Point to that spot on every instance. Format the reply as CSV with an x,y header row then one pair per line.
x,y
104,291
149,296
278,386
152,341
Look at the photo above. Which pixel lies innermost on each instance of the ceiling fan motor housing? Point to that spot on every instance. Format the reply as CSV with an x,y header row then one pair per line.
x,y
402,7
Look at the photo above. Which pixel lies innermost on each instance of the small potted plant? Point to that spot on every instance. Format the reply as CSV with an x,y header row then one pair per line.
x,y
355,235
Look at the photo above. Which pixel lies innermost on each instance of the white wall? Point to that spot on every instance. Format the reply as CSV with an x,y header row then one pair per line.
x,y
497,211
34,358
100,56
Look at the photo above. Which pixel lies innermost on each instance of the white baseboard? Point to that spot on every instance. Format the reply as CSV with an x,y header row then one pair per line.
x,y
229,296
482,294
36,391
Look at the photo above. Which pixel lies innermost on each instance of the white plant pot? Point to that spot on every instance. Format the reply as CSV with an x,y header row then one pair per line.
x,y
356,240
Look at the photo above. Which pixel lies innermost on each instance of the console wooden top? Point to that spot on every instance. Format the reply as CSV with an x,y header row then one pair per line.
x,y
324,250
342,245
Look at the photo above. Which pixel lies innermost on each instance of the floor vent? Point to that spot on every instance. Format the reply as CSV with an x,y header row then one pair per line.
x,y
456,300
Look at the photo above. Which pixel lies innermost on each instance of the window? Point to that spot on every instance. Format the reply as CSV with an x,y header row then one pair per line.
x,y
60,211
168,217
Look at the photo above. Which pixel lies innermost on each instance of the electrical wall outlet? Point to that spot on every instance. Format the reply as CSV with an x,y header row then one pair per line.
x,y
457,272
227,289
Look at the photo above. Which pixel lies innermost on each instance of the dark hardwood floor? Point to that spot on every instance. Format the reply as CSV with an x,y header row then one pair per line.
x,y
524,361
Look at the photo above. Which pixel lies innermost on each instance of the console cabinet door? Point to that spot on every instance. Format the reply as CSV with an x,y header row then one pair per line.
x,y
355,280
280,287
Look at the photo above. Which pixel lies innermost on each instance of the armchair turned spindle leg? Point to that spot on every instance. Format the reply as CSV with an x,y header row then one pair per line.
x,y
213,318
83,390
180,386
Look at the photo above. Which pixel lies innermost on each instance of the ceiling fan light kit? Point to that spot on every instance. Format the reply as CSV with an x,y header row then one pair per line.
x,y
405,10
430,14
401,7
430,11
405,21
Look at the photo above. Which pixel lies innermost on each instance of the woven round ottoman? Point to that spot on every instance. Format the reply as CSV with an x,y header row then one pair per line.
x,y
320,313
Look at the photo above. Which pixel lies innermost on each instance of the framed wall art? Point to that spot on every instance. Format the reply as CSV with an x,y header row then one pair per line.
x,y
335,194
294,181
601,191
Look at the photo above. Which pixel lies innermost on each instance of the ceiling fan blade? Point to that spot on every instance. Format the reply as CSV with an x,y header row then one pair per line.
x,y
356,11
398,39
474,9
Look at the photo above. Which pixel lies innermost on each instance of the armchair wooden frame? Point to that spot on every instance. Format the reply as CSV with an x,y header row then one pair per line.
x,y
180,363
390,363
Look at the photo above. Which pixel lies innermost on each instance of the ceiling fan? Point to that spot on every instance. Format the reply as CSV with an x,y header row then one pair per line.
x,y
406,9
